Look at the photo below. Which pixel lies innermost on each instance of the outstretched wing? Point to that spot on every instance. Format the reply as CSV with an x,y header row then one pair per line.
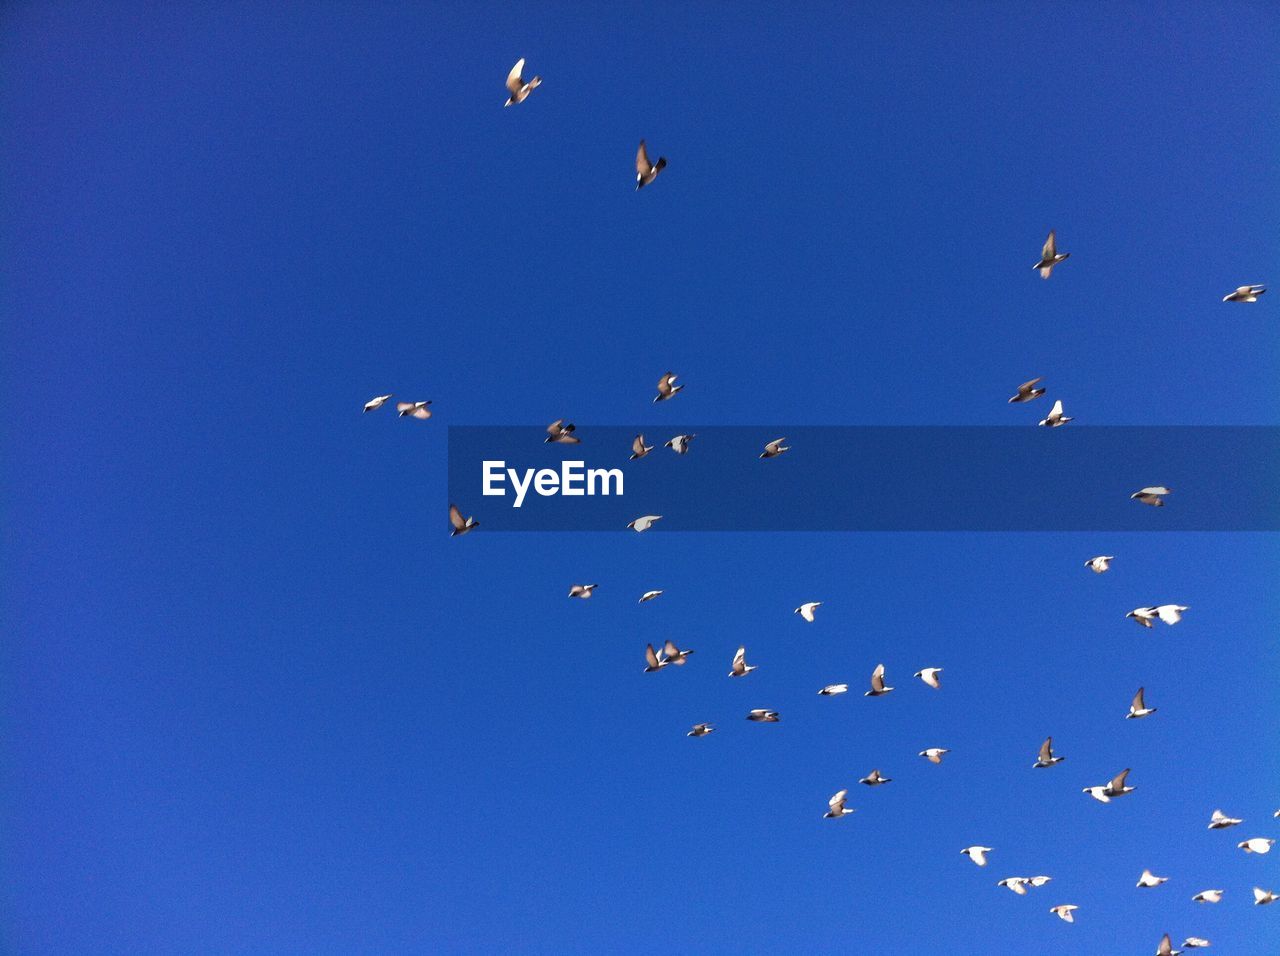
x,y
514,82
643,166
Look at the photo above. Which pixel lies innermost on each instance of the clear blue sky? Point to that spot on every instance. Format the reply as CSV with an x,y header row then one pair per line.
x,y
255,699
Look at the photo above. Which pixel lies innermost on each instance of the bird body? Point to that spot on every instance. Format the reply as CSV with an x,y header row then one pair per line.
x,y
1117,787
700,730
648,596
516,85
762,716
775,448
1027,392
1046,757
1138,707
1017,884
1208,896
1220,821
416,410
740,667
1262,897
1064,912
1050,256
643,523
680,444
375,403
934,754
1166,947
666,388
836,807
878,687
582,590
806,610
638,448
1100,564
562,432
1055,418
873,779
459,524
1257,845
1245,293
647,172
1153,495
977,853
674,655
1149,879
930,676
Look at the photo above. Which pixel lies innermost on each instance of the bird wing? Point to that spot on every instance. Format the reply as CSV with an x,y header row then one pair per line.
x,y
670,650
455,518
1170,613
837,801
877,678
1137,701
651,658
637,446
1050,247
1156,490
514,82
554,428
739,660
1026,387
1117,782
1056,412
643,167
1046,750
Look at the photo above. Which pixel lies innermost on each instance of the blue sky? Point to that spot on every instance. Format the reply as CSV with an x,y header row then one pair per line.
x,y
257,701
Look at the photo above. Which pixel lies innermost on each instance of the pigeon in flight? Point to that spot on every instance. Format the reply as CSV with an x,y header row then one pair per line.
x,y
934,754
1016,883
700,730
638,448
416,410
674,655
647,172
1139,708
1064,912
761,716
1153,495
1195,942
1149,879
374,404
648,596
740,667
836,807
1027,391
775,448
643,524
561,433
878,687
1171,614
1116,788
1220,821
666,388
653,661
930,676
1262,897
1050,256
1047,758
1245,293
831,690
680,444
1055,418
977,853
1100,564
460,525
1208,896
1166,947
516,85
806,610
873,779
582,590
1257,845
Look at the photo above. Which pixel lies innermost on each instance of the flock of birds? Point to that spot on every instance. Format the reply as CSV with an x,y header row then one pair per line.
x,y
671,655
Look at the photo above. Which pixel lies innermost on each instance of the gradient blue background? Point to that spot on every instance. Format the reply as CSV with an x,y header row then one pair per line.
x,y
255,699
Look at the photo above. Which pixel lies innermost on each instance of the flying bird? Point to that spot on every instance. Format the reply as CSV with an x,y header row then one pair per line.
x,y
740,667
638,448
1138,707
761,716
666,388
1046,757
1016,883
680,444
653,661
1256,845
1220,821
806,610
1149,879
1027,392
460,525
933,754
582,590
1245,293
1116,788
648,596
775,448
977,853
562,433
1038,880
674,655
647,172
836,807
1166,947
700,730
517,87
1171,614
1153,496
873,779
1262,897
930,676
831,690
1100,564
1050,256
416,410
374,404
878,687
1064,912
1208,896
643,523
1055,417
1195,942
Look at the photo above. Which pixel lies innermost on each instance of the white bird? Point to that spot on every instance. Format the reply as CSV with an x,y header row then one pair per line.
x,y
1220,821
674,655
1195,942
1256,845
930,676
877,683
700,730
1116,788
1166,947
1046,757
1245,293
1027,391
1153,495
933,754
1064,912
647,172
1100,564
666,388
977,853
1038,880
416,410
1208,896
740,667
374,404
1049,256
831,690
648,596
582,590
638,448
517,87
460,525
1149,879
643,523
836,807
806,610
1055,416
1138,707
1171,614
775,448
562,433
1262,897
653,661
680,444
873,779
1016,883
762,716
